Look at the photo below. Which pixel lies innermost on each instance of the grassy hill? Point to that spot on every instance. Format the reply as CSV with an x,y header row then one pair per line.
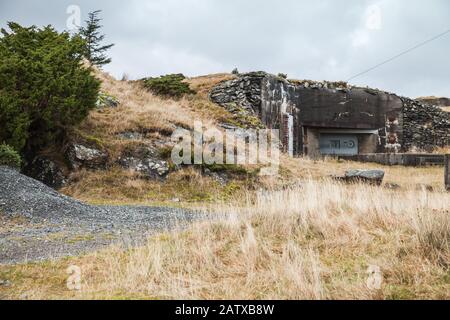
x,y
296,236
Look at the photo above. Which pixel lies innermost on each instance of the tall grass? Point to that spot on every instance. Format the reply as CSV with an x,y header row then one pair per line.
x,y
314,241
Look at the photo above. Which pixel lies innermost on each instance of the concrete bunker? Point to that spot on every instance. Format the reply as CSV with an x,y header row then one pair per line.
x,y
334,118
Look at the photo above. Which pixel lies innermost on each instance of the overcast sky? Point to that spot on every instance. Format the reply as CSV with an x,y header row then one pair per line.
x,y
320,40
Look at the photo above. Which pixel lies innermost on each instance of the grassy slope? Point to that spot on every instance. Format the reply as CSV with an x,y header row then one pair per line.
x,y
141,111
314,242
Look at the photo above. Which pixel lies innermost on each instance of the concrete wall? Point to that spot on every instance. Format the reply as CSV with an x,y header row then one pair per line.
x,y
368,143
333,107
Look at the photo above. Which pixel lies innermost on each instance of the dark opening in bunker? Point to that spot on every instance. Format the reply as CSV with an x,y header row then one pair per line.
x,y
340,142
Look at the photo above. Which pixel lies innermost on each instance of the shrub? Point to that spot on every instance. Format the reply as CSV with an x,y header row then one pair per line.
x,y
168,86
9,157
44,87
235,71
283,76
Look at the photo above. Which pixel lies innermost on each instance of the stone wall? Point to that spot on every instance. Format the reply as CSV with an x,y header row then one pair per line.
x,y
244,91
425,127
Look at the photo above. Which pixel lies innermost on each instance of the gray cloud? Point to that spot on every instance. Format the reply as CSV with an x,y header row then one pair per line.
x,y
319,40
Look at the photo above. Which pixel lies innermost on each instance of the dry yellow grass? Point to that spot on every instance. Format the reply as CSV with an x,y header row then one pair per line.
x,y
406,177
140,109
119,186
313,242
204,84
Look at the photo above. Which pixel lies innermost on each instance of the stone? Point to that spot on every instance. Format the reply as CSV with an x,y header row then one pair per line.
x,y
106,101
47,171
374,177
145,160
80,156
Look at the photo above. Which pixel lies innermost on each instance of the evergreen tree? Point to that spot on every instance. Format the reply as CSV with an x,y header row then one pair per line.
x,y
95,51
44,88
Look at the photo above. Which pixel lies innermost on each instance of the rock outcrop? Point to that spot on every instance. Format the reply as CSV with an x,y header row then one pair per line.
x,y
80,156
146,161
244,91
47,171
374,177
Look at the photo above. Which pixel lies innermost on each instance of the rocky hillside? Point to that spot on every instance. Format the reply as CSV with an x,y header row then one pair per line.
x,y
121,152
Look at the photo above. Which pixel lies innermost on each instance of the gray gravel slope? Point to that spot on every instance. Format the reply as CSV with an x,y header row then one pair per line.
x,y
54,225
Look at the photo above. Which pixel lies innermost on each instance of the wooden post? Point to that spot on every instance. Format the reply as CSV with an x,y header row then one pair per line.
x,y
447,172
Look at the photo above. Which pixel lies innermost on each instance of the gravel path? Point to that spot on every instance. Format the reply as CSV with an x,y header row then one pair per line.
x,y
38,223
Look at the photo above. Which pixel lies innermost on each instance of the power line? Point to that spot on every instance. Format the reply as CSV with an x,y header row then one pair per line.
x,y
400,54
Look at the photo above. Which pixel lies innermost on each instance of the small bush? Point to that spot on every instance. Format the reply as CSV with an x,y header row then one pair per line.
x,y
9,157
283,76
168,86
235,71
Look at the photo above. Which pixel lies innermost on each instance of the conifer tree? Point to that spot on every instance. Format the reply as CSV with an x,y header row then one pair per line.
x,y
44,87
95,51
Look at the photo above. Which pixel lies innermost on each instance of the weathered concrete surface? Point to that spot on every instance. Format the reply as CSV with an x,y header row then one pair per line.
x,y
403,159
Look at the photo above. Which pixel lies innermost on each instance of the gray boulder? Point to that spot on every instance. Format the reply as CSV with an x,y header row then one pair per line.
x,y
80,156
374,177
